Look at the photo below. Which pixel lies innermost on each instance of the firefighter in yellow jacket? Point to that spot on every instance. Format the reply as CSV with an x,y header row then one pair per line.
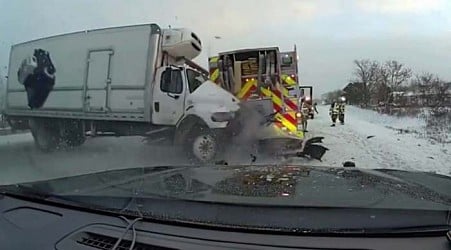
x,y
333,112
337,110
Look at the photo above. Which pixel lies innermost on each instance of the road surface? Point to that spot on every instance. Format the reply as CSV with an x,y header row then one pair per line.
x,y
20,161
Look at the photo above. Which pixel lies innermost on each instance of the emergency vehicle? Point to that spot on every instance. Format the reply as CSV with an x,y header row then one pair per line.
x,y
263,75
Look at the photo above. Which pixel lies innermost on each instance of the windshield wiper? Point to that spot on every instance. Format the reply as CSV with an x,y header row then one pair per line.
x,y
20,190
397,231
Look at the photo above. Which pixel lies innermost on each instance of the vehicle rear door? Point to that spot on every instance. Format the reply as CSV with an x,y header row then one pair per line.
x,y
98,80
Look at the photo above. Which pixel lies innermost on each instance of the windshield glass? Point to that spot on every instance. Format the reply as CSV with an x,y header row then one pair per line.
x,y
280,104
195,79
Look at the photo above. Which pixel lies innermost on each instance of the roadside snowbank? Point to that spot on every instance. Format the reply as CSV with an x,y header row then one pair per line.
x,y
368,139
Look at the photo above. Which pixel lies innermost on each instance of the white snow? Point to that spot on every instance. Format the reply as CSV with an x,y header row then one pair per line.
x,y
373,117
387,149
20,161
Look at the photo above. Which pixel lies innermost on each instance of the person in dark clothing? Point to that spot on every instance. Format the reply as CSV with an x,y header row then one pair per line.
x,y
37,74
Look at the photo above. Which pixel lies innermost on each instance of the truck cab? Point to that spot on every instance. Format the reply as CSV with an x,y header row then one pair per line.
x,y
181,91
199,110
182,88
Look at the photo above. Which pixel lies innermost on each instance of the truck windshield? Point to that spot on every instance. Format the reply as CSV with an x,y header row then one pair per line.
x,y
195,79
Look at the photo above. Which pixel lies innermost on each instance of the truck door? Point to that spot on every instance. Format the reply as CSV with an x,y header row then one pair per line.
x,y
98,80
168,96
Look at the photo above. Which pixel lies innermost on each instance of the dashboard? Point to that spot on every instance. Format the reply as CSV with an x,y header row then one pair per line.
x,y
28,224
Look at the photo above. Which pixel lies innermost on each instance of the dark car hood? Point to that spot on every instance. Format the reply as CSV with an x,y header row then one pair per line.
x,y
285,185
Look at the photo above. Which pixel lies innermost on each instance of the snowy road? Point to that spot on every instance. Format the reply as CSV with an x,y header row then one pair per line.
x,y
20,161
386,149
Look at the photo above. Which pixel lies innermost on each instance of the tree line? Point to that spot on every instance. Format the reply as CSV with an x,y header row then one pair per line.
x,y
375,83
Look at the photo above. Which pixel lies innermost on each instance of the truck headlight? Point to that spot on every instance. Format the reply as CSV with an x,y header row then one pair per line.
x,y
222,116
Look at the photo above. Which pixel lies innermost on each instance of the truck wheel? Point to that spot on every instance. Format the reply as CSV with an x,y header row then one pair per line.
x,y
202,145
73,133
45,136
75,139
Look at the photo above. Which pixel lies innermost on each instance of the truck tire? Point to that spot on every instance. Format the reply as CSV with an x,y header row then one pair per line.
x,y
46,137
73,133
201,145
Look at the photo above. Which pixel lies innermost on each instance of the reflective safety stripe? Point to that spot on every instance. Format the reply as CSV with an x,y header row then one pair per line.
x,y
214,59
245,91
288,124
252,89
285,119
287,101
278,127
213,65
274,97
285,91
288,80
214,76
300,133
288,117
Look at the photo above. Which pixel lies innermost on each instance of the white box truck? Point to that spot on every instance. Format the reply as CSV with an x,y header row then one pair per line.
x,y
133,80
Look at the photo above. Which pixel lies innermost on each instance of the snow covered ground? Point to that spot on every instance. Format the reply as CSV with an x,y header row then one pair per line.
x,y
20,161
372,140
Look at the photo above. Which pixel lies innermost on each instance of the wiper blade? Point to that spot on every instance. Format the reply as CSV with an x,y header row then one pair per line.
x,y
32,193
20,189
410,231
421,229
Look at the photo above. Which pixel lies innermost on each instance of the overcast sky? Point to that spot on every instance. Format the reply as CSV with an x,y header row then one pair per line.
x,y
329,34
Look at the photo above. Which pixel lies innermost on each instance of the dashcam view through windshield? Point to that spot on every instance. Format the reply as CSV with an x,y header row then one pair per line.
x,y
283,103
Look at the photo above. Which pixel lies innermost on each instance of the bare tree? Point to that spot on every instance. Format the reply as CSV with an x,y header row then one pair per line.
x,y
353,93
380,89
333,95
423,83
365,73
398,74
440,92
390,76
424,78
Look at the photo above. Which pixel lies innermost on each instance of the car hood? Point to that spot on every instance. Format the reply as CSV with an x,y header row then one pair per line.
x,y
276,185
